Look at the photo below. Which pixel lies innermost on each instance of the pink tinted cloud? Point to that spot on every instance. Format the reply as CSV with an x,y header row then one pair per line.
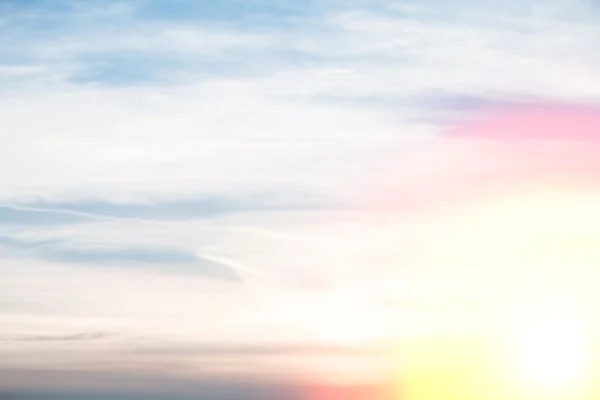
x,y
534,122
501,148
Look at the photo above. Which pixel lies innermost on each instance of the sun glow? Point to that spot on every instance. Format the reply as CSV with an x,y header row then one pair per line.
x,y
338,316
551,350
528,262
503,304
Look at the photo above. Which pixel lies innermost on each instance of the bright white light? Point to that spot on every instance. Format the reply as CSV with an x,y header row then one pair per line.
x,y
552,352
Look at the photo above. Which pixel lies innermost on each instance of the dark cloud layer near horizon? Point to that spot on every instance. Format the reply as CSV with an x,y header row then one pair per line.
x,y
123,386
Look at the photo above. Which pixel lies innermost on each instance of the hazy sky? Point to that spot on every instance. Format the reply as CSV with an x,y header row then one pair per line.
x,y
182,182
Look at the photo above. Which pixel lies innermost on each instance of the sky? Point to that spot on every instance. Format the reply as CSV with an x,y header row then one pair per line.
x,y
184,185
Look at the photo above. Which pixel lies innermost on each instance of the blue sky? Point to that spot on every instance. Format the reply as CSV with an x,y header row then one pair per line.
x,y
187,172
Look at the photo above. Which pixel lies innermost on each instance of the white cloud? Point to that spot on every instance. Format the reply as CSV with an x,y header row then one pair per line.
x,y
491,54
307,127
269,132
88,319
187,142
